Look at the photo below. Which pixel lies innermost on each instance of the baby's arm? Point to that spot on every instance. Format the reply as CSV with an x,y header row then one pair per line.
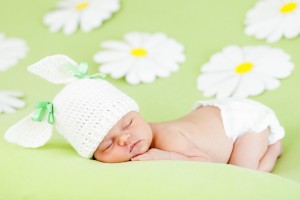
x,y
157,154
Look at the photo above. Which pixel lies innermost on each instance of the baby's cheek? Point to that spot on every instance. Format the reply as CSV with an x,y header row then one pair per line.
x,y
140,149
144,148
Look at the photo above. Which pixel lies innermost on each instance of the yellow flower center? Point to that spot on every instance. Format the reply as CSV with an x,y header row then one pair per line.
x,y
289,7
82,6
244,68
139,52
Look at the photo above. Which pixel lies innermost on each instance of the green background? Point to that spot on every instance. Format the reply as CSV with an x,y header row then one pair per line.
x,y
55,171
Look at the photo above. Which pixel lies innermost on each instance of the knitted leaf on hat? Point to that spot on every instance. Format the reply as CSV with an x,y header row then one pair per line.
x,y
28,133
53,69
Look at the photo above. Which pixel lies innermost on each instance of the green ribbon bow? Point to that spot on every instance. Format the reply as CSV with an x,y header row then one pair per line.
x,y
82,70
40,110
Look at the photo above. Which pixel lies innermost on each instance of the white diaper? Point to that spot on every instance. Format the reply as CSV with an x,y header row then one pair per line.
x,y
243,115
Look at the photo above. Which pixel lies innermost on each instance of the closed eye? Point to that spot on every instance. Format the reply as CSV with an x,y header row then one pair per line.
x,y
128,124
107,145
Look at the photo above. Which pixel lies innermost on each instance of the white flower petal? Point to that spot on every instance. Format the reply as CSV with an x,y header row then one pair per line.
x,y
155,40
132,75
11,93
258,14
9,101
234,54
6,109
250,85
228,87
97,12
13,102
261,52
208,80
291,28
266,21
158,69
145,72
223,88
275,69
70,25
136,39
255,84
241,90
164,43
89,21
5,64
259,71
57,19
103,8
110,56
164,63
275,35
11,51
270,83
115,45
117,69
14,52
142,57
263,28
218,63
167,57
254,53
90,15
2,37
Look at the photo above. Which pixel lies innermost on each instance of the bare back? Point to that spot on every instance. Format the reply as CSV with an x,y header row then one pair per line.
x,y
201,131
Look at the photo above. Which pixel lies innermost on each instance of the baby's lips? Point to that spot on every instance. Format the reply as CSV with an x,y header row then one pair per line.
x,y
133,145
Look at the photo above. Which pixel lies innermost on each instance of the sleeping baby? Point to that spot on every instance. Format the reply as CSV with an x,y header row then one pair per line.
x,y
103,123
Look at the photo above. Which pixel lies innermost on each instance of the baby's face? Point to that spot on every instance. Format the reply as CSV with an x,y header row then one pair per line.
x,y
130,137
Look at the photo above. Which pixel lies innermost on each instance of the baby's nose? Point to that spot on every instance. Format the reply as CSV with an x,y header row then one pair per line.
x,y
124,139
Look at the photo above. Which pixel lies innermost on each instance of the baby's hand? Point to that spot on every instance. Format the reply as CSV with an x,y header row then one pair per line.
x,y
152,154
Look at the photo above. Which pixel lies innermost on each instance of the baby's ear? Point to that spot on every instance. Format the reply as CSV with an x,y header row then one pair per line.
x,y
53,69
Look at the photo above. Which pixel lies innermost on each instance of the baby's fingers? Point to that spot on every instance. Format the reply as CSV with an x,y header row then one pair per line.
x,y
141,157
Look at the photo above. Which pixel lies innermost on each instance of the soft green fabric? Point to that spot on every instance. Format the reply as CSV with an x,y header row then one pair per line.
x,y
55,171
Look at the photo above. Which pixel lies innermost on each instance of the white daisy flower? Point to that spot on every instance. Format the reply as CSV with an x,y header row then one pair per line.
x,y
141,57
273,19
11,51
244,71
9,101
88,14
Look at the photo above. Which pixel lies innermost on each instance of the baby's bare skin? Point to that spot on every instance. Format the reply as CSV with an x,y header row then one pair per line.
x,y
198,136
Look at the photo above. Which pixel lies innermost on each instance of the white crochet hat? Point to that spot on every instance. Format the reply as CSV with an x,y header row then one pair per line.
x,y
84,111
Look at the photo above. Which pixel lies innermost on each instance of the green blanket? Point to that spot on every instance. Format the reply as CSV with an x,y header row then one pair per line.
x,y
55,171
